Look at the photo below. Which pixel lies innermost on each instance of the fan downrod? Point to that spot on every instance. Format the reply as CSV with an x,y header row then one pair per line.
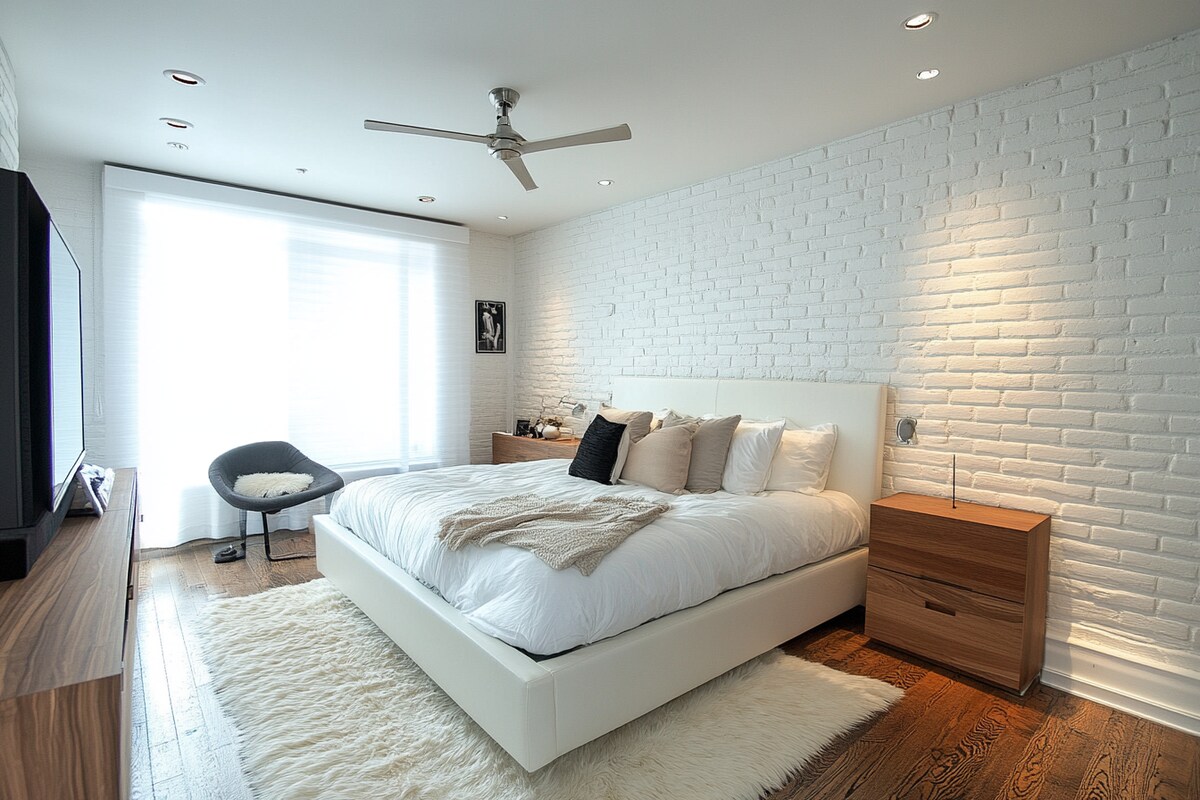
x,y
503,99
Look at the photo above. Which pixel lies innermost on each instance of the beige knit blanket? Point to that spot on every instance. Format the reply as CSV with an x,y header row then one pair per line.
x,y
560,532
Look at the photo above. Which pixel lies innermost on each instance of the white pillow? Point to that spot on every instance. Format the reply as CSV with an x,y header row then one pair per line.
x,y
802,462
749,461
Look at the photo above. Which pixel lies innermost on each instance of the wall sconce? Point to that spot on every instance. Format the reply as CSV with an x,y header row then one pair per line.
x,y
906,431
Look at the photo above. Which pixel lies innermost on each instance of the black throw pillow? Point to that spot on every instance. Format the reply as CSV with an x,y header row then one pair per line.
x,y
597,452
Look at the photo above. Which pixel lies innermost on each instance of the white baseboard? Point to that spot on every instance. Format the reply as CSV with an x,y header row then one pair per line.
x,y
1162,695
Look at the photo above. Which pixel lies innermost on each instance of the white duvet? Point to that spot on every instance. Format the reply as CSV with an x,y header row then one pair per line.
x,y
706,544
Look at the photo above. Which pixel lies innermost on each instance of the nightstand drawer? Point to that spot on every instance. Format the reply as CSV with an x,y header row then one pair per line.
x,y
975,633
955,548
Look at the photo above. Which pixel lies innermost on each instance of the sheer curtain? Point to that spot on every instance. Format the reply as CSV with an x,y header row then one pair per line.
x,y
233,316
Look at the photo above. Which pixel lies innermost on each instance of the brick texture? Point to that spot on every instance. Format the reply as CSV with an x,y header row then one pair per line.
x,y
1023,270
9,139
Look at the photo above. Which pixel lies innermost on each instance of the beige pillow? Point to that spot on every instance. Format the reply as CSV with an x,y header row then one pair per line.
x,y
637,425
710,446
660,460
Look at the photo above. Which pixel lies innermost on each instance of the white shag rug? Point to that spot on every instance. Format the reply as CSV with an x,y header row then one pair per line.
x,y
328,707
272,484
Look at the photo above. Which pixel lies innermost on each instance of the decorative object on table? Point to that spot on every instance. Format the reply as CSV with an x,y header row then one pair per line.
x,y
95,486
350,688
522,429
489,326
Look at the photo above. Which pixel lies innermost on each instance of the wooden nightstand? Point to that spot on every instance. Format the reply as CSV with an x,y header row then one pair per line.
x,y
507,448
962,586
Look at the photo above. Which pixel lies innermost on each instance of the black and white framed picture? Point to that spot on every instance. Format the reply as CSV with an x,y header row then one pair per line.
x,y
489,326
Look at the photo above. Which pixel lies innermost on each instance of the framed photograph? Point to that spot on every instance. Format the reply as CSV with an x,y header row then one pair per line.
x,y
489,326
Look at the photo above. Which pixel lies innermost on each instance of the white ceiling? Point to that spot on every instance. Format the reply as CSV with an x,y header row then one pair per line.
x,y
708,87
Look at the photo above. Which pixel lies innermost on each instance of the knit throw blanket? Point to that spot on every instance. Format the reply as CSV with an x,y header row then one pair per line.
x,y
560,532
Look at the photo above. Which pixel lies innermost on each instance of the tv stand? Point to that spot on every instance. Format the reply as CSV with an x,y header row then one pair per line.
x,y
67,638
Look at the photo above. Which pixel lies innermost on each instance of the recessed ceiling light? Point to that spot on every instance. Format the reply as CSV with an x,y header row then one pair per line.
x,y
426,199
605,182
919,21
179,124
184,78
926,74
177,145
502,216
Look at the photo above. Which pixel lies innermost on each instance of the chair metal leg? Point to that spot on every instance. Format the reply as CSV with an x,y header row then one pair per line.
x,y
267,545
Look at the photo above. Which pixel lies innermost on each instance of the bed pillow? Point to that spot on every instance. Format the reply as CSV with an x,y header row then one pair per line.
x,y
710,446
660,460
801,463
750,454
637,426
638,421
596,455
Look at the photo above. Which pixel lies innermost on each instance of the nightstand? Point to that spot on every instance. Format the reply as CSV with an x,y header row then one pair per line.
x,y
507,448
965,586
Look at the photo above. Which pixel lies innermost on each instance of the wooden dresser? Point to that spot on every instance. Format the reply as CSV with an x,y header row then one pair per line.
x,y
67,636
965,586
507,448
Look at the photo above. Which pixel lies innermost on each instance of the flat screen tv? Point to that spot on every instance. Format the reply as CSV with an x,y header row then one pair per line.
x,y
41,376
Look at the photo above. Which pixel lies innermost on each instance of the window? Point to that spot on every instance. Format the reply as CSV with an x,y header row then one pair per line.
x,y
234,316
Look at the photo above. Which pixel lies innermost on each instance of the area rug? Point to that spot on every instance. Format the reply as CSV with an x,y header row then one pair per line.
x,y
327,706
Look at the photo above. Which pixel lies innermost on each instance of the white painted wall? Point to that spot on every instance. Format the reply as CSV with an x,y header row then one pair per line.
x,y
1023,269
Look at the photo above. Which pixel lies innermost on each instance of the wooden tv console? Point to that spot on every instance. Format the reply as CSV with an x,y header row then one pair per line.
x,y
67,636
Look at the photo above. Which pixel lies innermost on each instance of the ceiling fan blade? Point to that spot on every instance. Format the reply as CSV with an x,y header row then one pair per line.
x,y
518,168
376,125
616,134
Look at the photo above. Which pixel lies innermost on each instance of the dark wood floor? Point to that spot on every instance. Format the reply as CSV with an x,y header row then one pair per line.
x,y
950,737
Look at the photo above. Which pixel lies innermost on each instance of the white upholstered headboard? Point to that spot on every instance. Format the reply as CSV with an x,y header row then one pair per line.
x,y
857,409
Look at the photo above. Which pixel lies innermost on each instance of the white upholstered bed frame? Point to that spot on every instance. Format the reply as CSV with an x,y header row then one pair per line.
x,y
539,710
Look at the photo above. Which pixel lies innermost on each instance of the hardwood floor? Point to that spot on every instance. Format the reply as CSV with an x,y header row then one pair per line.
x,y
950,737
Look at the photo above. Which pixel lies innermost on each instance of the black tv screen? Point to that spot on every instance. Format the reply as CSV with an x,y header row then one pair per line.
x,y
41,376
66,367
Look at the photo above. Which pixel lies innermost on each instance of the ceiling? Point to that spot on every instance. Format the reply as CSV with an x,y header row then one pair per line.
x,y
707,87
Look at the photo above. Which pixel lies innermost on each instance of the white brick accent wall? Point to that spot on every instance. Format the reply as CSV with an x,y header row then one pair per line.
x,y
9,139
1023,269
491,260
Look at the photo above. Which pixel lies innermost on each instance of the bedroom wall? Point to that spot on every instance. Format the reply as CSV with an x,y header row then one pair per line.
x,y
491,373
1023,269
8,112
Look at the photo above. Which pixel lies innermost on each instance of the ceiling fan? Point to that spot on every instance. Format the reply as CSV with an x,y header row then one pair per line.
x,y
506,144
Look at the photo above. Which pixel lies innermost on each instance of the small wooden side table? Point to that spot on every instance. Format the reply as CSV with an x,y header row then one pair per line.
x,y
965,587
507,448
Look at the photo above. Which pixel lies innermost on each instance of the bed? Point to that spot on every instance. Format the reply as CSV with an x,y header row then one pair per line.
x,y
538,709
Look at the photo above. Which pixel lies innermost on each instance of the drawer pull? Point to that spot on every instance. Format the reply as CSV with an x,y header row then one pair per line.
x,y
939,608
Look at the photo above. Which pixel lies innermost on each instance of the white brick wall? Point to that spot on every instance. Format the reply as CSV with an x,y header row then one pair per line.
x,y
491,260
1023,269
71,190
8,112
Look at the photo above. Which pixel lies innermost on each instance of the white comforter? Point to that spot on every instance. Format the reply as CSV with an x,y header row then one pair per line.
x,y
706,544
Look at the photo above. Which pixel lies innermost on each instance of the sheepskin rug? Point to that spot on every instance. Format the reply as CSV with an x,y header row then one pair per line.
x,y
272,484
328,707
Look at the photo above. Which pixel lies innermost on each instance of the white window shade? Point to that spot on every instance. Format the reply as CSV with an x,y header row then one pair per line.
x,y
233,316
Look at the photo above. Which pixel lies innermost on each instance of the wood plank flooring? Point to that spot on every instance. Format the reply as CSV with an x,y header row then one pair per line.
x,y
950,737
